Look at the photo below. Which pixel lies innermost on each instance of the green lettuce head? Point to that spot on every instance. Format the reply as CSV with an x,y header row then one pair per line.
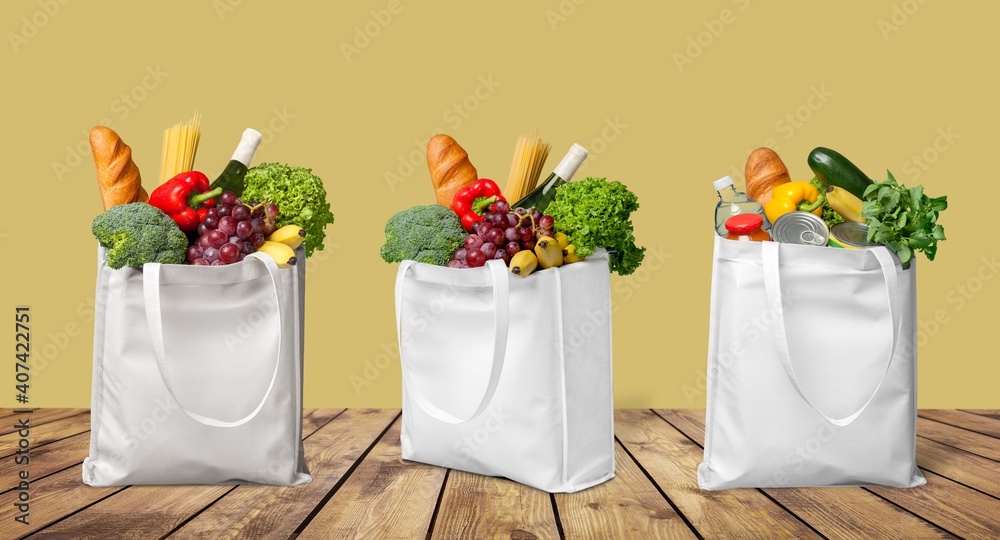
x,y
299,194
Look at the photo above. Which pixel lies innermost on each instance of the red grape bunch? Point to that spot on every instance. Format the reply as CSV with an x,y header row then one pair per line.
x,y
231,231
500,234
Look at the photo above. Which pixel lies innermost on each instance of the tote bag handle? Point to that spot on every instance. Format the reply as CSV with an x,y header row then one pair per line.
x,y
151,291
501,323
772,287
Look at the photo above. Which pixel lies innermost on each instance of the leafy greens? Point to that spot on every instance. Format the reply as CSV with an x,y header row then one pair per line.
x,y
903,219
299,194
596,213
830,216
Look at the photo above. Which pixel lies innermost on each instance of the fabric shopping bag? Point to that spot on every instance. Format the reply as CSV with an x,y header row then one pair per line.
x,y
811,368
509,376
198,375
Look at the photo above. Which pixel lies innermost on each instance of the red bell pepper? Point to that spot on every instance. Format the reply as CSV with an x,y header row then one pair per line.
x,y
186,199
472,202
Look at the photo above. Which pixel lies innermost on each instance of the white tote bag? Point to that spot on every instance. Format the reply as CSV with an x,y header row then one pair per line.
x,y
509,376
197,375
811,368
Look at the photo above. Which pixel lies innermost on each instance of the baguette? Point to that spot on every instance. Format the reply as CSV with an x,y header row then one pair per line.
x,y
450,168
117,175
764,171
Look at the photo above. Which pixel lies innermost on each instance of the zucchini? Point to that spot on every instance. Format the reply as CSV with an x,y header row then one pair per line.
x,y
834,169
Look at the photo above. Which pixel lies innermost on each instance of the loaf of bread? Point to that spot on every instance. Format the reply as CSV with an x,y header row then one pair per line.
x,y
764,171
117,175
449,167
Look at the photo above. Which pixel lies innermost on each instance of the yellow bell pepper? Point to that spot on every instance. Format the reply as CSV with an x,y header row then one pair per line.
x,y
793,196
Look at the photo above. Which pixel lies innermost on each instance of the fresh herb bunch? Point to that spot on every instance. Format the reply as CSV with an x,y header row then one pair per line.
x,y
903,219
596,213
830,216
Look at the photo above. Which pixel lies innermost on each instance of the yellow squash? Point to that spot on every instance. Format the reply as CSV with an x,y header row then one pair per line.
x,y
844,203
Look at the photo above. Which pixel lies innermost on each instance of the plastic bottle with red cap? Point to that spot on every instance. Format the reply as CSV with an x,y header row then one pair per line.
x,y
732,202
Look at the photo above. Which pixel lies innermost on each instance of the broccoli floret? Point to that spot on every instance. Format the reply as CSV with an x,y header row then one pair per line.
x,y
138,233
427,234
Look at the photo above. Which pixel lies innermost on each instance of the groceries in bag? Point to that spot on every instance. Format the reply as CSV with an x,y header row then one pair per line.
x,y
836,207
236,414
221,222
558,222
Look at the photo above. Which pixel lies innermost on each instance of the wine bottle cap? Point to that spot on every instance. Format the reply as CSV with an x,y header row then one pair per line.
x,y
248,145
722,182
569,164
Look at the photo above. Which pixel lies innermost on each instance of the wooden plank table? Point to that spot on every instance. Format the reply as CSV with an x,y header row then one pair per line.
x,y
362,489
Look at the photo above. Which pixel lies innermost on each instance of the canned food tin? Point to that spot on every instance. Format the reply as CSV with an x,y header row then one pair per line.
x,y
850,235
800,228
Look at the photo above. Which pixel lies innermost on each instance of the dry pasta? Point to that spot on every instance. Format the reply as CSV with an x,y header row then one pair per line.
x,y
180,144
530,154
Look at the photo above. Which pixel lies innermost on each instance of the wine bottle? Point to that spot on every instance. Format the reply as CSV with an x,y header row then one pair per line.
x,y
545,193
231,178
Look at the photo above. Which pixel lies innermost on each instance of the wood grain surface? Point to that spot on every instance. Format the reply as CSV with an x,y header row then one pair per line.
x,y
361,488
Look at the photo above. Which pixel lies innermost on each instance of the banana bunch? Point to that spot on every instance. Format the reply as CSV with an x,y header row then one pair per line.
x,y
282,243
548,252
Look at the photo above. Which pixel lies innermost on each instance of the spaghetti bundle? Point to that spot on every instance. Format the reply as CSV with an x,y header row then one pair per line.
x,y
180,144
530,154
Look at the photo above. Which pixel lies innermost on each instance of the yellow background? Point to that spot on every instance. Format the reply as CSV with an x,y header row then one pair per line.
x,y
887,83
